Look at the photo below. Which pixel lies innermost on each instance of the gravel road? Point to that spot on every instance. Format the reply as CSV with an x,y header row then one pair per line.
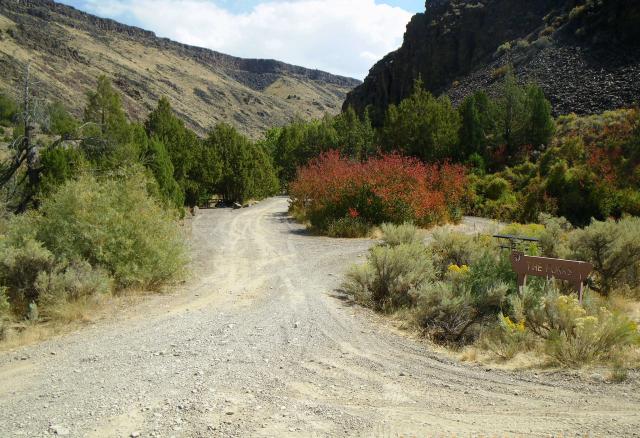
x,y
259,343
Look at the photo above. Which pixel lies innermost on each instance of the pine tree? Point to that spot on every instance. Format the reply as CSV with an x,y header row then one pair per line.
x,y
540,125
513,114
422,126
182,145
104,109
478,125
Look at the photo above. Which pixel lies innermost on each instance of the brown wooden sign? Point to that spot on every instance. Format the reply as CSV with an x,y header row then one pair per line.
x,y
573,271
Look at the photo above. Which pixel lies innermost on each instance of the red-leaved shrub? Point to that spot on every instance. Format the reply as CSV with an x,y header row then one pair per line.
x,y
389,188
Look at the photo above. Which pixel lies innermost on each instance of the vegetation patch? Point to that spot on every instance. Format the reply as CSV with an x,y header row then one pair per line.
x,y
335,193
460,291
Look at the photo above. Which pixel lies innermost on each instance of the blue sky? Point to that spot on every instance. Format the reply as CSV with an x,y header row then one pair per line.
x,y
247,5
340,36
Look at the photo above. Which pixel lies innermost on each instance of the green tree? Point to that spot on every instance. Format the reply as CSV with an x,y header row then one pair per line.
x,y
182,145
58,165
247,170
8,109
235,183
61,122
157,160
478,125
513,114
355,136
107,133
540,124
422,126
104,109
291,150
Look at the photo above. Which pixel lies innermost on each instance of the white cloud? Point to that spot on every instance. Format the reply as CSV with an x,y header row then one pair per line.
x,y
340,36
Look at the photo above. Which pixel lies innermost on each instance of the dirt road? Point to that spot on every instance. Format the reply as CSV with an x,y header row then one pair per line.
x,y
259,344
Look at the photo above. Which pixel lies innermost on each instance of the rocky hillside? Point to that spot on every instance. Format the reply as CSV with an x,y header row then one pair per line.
x,y
584,53
70,49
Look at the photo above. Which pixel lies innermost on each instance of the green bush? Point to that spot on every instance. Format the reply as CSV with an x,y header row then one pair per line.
x,y
456,249
60,121
496,187
75,282
451,312
20,267
613,248
506,339
394,235
348,227
5,313
576,337
8,108
391,275
59,165
113,224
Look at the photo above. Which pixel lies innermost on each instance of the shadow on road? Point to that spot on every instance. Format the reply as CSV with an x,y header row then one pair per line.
x,y
343,299
283,217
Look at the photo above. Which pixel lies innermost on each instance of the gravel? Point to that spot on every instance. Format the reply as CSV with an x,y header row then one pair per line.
x,y
261,343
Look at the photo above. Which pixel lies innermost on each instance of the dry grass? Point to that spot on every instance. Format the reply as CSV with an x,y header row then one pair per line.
x,y
72,316
625,304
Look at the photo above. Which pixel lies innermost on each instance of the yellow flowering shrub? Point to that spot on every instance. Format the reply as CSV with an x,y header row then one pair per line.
x,y
508,338
455,269
576,337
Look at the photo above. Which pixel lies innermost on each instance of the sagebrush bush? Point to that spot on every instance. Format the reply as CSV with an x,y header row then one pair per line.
x,y
456,249
5,312
451,312
394,235
614,249
391,276
507,338
554,239
573,334
20,267
461,289
576,337
77,281
358,283
113,224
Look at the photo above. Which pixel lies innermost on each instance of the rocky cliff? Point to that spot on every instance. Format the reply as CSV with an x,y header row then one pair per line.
x,y
584,53
69,49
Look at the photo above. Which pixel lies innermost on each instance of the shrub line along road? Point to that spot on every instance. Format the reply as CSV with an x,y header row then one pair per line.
x,y
260,344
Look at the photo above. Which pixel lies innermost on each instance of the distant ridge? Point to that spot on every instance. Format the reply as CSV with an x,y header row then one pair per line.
x,y
70,49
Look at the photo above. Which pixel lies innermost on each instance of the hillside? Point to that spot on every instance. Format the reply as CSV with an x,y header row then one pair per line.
x,y
583,53
70,49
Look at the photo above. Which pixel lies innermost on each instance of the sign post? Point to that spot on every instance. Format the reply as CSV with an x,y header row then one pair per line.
x,y
573,271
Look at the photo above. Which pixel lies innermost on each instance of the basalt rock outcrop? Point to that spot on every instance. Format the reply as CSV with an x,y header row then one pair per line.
x,y
585,54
